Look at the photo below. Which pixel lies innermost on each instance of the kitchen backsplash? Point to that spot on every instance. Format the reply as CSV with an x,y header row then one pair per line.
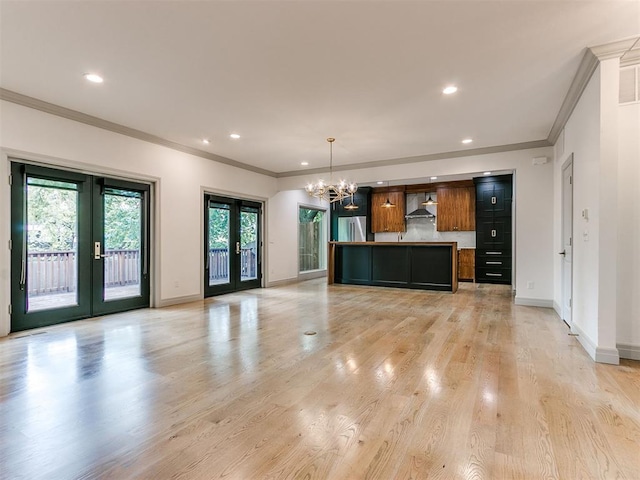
x,y
424,229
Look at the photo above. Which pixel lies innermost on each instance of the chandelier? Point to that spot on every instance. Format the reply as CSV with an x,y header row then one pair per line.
x,y
330,192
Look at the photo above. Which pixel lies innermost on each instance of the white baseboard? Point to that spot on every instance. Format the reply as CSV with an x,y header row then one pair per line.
x,y
628,351
533,302
300,278
557,308
179,300
280,283
598,354
311,275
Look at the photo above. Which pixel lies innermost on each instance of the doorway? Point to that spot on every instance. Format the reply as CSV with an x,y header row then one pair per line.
x,y
233,245
79,246
567,241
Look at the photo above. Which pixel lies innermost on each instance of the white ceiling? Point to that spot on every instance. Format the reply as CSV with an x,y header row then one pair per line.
x,y
285,75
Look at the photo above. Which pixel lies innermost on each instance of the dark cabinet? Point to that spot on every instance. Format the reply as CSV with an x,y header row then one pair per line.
x,y
494,197
362,199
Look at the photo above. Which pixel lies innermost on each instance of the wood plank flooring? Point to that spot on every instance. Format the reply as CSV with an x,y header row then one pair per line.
x,y
395,384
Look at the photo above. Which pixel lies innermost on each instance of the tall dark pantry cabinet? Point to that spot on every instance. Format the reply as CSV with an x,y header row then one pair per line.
x,y
494,196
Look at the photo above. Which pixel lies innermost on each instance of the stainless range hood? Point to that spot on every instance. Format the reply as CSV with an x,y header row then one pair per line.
x,y
420,213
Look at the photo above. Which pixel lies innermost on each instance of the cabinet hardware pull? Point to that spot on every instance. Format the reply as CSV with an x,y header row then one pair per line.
x,y
493,263
493,233
493,274
494,200
494,253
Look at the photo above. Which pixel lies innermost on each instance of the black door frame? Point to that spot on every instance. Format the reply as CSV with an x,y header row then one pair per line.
x,y
89,304
236,206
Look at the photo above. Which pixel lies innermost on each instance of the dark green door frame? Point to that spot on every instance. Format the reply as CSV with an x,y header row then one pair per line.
x,y
90,222
236,208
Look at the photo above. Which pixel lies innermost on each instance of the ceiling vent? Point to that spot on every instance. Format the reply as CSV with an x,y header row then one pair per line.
x,y
629,85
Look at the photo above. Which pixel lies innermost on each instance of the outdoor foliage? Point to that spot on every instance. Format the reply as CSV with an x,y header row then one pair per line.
x,y
219,228
52,220
52,215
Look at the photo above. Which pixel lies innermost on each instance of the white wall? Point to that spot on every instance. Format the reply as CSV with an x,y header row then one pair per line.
x,y
179,179
283,233
582,138
533,186
628,325
605,142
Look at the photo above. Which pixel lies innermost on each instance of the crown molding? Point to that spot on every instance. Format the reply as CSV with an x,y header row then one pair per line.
x,y
80,117
614,49
632,57
586,68
422,158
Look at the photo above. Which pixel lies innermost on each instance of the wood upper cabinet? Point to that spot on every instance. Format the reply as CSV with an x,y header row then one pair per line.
x,y
456,209
387,219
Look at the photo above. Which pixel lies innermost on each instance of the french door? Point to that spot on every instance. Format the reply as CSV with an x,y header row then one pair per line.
x,y
232,254
79,246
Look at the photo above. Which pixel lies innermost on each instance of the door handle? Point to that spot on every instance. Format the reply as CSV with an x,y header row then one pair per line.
x,y
563,253
96,251
237,248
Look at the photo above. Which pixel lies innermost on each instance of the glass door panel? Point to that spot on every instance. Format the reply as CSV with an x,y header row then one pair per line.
x,y
51,244
122,244
218,249
249,243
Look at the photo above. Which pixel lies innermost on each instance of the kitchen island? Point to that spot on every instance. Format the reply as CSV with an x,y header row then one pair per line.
x,y
421,265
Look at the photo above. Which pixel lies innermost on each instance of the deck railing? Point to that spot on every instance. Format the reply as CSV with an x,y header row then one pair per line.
x,y
219,264
55,272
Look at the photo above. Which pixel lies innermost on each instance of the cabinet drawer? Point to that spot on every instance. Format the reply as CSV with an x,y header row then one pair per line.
x,y
493,275
496,262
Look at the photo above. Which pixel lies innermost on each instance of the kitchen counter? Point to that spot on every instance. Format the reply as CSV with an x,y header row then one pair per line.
x,y
420,265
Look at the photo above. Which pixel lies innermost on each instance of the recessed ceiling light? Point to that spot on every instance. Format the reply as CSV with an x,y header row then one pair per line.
x,y
94,78
206,141
450,89
379,183
304,164
467,140
487,173
234,135
434,178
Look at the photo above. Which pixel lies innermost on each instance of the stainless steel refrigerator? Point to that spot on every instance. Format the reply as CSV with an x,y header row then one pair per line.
x,y
352,229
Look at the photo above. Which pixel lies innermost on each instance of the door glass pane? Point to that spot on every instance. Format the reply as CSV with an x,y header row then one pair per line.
x,y
248,244
218,260
122,243
51,244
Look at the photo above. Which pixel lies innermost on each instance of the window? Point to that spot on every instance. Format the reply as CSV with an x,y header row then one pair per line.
x,y
312,239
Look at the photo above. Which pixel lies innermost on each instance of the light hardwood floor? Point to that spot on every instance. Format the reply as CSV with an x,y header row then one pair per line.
x,y
396,384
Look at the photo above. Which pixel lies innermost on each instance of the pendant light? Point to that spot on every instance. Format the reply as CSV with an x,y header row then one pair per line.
x,y
388,204
429,201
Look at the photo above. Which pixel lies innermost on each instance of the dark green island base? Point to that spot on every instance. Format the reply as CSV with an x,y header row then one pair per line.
x,y
422,265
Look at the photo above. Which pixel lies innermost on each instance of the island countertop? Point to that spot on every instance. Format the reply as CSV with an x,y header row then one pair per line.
x,y
421,265
400,244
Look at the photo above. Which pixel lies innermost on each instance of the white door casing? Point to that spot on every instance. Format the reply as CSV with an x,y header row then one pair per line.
x,y
567,240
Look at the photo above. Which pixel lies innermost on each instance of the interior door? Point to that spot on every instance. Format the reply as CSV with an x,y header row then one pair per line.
x,y
232,255
68,259
567,241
